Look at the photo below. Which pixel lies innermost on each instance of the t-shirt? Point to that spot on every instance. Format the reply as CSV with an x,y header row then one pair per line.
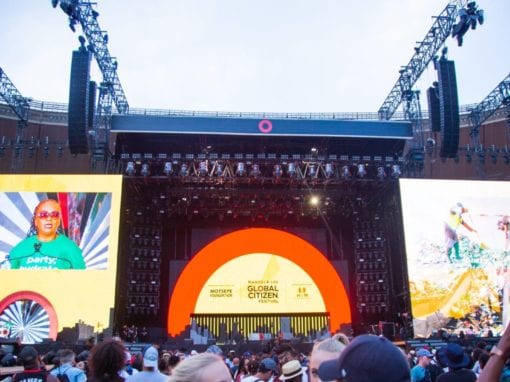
x,y
61,253
420,374
148,376
462,375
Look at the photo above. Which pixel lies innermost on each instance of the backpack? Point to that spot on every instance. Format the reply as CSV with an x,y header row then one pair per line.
x,y
62,377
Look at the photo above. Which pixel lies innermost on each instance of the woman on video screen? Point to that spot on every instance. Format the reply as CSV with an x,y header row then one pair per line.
x,y
45,247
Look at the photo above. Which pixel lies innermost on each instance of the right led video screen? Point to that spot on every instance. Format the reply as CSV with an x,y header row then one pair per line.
x,y
457,245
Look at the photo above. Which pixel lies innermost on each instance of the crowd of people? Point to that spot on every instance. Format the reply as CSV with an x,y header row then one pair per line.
x,y
365,358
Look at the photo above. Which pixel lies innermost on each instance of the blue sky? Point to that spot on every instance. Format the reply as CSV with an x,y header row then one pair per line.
x,y
240,55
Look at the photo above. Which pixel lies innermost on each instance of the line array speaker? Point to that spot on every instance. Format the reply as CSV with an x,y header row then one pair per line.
x,y
78,110
449,108
434,110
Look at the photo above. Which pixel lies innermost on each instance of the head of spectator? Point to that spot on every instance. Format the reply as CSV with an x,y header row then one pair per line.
x,y
67,357
483,358
455,357
150,359
204,367
367,358
285,353
292,371
424,357
326,350
28,357
265,369
106,360
172,363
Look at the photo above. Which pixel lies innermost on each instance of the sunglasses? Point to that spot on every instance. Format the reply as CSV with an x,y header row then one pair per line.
x,y
46,214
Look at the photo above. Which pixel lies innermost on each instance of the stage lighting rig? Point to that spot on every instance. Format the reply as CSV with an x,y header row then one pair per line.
x,y
424,53
469,17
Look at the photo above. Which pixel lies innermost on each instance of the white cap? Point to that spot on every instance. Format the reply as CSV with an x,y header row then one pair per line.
x,y
150,357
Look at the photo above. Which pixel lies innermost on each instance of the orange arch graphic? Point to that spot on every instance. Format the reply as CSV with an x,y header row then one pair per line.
x,y
256,240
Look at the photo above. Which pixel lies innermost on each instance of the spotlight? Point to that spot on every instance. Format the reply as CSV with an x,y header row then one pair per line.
x,y
329,170
381,174
130,168
277,171
255,170
346,172
241,169
312,170
362,172
395,171
219,169
145,171
291,169
314,200
184,169
202,168
168,170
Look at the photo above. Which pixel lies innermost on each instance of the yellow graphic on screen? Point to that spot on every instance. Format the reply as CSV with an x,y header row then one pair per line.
x,y
260,283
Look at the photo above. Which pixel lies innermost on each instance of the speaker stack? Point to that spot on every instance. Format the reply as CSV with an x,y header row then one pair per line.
x,y
79,110
448,108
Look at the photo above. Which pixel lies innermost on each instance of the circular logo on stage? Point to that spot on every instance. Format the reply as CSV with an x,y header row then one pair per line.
x,y
265,126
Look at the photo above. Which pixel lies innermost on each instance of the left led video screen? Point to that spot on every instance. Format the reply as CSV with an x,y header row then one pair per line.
x,y
58,253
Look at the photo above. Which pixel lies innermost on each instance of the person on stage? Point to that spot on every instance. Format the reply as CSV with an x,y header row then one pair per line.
x,y
452,224
45,247
504,225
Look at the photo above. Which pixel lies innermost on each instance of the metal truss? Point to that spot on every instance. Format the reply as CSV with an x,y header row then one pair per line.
x,y
199,169
110,89
425,52
499,96
81,12
19,104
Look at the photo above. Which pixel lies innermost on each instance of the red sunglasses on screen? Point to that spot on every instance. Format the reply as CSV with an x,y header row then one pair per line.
x,y
46,214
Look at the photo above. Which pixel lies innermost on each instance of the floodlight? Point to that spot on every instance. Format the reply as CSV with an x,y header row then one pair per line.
x,y
168,169
130,168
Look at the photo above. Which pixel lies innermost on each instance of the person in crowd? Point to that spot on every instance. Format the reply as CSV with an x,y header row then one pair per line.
x,y
452,224
286,353
45,247
265,371
496,368
173,361
420,372
106,361
325,350
243,370
458,362
292,371
204,367
504,225
33,369
150,371
368,358
66,367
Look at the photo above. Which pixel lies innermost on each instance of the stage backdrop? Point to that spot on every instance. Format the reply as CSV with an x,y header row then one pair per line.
x,y
457,252
47,289
258,270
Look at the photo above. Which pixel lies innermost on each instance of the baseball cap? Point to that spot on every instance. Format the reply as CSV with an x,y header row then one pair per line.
x,y
367,358
150,357
28,355
267,364
424,353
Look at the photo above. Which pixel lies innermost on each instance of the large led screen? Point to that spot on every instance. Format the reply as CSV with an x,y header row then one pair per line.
x,y
258,271
457,242
58,253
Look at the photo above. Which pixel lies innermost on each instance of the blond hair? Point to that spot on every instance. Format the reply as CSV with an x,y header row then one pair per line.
x,y
190,370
